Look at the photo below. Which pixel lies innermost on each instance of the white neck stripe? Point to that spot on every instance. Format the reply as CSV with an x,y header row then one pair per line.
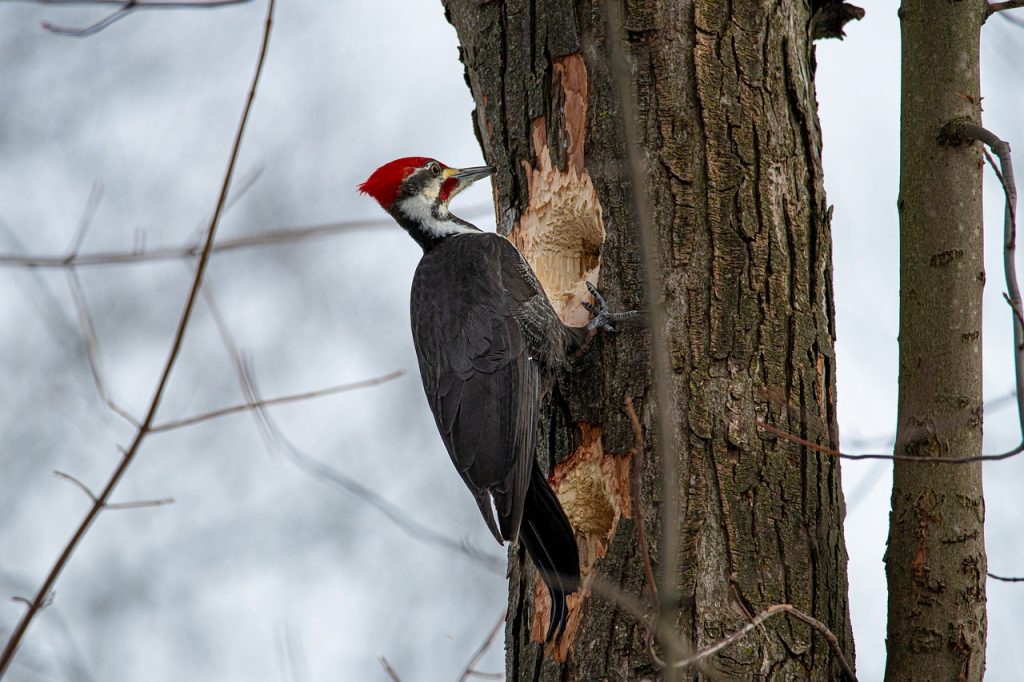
x,y
420,211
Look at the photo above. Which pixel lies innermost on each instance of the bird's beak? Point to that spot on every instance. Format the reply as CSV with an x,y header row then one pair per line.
x,y
467,176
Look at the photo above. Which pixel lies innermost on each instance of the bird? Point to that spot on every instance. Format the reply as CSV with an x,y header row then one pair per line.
x,y
488,344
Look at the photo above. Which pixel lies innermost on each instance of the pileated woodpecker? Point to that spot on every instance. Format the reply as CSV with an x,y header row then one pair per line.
x,y
489,344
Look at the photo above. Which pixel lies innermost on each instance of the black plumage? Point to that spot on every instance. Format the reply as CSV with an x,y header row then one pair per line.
x,y
488,343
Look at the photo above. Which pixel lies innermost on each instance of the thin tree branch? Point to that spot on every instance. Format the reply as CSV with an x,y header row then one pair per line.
x,y
75,482
191,251
88,214
392,675
994,7
276,441
671,451
1006,579
140,504
141,4
785,435
277,236
1011,19
775,609
93,28
124,8
959,132
469,670
269,402
638,516
45,589
92,346
414,529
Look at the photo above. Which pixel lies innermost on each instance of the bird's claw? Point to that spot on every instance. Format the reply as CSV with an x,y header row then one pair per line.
x,y
604,319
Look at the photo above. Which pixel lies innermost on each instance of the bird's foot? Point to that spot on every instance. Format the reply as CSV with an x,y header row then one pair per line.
x,y
604,319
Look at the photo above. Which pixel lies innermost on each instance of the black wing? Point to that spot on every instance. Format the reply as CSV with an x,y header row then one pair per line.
x,y
481,382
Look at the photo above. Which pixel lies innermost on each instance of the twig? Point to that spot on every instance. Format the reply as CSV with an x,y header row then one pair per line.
x,y
670,450
138,255
469,670
1006,579
958,132
392,675
75,482
277,442
12,644
775,609
92,346
85,222
1011,19
269,402
638,516
269,237
140,504
143,4
125,7
241,371
414,529
785,435
91,29
994,7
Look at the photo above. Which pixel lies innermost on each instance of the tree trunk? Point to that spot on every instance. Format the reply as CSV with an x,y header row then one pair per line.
x,y
728,122
935,562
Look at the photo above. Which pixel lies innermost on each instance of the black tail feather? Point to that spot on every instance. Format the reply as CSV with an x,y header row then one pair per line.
x,y
551,543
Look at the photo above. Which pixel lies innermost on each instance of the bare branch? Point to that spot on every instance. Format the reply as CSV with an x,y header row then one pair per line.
x,y
1011,19
140,504
144,4
191,251
469,670
14,641
85,222
638,516
994,7
833,641
392,675
959,132
91,29
1006,579
671,452
124,8
92,346
269,402
75,482
785,435
414,529
139,255
277,442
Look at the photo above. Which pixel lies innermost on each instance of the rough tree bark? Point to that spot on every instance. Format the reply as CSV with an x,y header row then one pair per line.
x,y
728,121
935,563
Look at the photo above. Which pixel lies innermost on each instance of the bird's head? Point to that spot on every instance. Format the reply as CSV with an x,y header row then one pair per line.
x,y
419,188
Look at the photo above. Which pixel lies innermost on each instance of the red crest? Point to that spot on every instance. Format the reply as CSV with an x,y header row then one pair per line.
x,y
385,182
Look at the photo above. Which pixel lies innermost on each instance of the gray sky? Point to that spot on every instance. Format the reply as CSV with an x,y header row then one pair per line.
x,y
260,571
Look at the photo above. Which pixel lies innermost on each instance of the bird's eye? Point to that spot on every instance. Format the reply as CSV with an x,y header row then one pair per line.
x,y
435,169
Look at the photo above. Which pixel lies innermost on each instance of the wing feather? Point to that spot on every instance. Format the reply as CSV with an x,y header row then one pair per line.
x,y
480,381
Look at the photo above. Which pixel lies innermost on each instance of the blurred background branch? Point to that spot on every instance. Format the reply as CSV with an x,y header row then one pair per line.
x,y
100,500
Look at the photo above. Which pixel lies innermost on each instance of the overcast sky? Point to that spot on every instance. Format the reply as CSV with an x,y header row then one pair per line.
x,y
259,570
